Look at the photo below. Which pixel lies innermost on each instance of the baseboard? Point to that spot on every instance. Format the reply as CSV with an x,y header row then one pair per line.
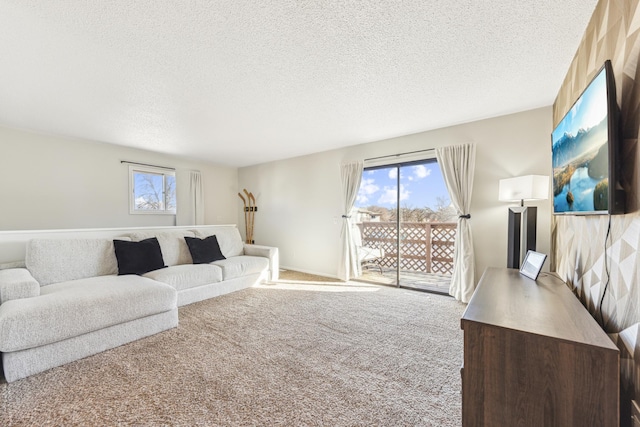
x,y
316,273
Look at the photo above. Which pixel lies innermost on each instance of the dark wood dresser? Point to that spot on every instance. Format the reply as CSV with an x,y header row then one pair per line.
x,y
534,356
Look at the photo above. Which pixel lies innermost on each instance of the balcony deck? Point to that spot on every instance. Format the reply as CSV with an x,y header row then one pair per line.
x,y
426,254
432,282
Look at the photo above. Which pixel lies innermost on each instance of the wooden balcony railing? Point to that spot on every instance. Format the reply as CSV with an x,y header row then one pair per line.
x,y
424,246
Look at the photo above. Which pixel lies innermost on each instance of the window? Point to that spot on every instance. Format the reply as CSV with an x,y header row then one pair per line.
x,y
403,213
152,190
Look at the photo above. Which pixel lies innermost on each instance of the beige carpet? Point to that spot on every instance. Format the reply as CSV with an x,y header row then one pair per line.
x,y
290,354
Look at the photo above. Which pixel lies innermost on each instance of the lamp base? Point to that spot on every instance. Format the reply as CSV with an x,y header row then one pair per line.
x,y
521,234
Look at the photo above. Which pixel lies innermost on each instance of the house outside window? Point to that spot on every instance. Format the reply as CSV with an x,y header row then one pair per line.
x,y
152,190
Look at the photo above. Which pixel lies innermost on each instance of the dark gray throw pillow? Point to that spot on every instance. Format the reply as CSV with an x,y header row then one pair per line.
x,y
138,257
204,251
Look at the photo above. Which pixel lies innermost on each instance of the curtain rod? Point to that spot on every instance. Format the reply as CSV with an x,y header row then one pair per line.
x,y
402,154
145,164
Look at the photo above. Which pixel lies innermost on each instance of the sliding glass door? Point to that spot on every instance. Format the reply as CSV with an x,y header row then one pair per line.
x,y
405,226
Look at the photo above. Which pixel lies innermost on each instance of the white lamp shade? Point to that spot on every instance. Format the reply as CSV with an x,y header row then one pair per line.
x,y
528,187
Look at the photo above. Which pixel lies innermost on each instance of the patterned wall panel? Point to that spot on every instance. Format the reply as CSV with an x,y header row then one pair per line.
x,y
598,255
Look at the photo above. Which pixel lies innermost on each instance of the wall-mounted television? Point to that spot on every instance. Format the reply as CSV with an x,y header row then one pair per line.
x,y
585,152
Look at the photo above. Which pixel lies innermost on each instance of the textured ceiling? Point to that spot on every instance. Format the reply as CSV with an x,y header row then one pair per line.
x,y
241,82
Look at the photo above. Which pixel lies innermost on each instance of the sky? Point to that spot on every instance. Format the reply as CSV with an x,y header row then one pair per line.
x,y
588,111
420,186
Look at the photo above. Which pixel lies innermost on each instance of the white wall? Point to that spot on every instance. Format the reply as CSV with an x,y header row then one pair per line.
x,y
300,200
52,182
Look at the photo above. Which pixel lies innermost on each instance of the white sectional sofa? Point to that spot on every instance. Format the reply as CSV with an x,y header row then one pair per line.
x,y
69,302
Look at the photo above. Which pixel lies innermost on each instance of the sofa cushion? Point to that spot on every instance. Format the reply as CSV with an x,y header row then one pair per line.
x,y
228,237
17,283
187,276
138,257
59,260
241,266
174,248
204,251
68,309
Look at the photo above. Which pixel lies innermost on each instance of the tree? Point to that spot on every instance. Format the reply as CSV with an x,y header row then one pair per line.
x,y
153,191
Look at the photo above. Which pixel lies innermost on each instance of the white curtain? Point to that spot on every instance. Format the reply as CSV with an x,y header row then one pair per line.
x,y
351,174
191,207
458,165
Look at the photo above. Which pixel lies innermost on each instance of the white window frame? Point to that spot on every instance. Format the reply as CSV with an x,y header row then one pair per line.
x,y
135,169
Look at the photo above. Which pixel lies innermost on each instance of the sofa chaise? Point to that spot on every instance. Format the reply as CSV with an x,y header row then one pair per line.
x,y
69,301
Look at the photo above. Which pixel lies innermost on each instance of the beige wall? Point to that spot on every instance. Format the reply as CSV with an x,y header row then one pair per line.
x,y
51,182
300,200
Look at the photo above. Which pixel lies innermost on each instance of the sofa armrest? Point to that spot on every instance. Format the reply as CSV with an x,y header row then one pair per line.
x,y
267,252
16,283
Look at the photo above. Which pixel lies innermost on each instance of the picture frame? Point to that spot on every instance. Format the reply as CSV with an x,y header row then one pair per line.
x,y
532,264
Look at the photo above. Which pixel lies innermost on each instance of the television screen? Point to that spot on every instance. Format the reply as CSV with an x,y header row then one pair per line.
x,y
584,152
